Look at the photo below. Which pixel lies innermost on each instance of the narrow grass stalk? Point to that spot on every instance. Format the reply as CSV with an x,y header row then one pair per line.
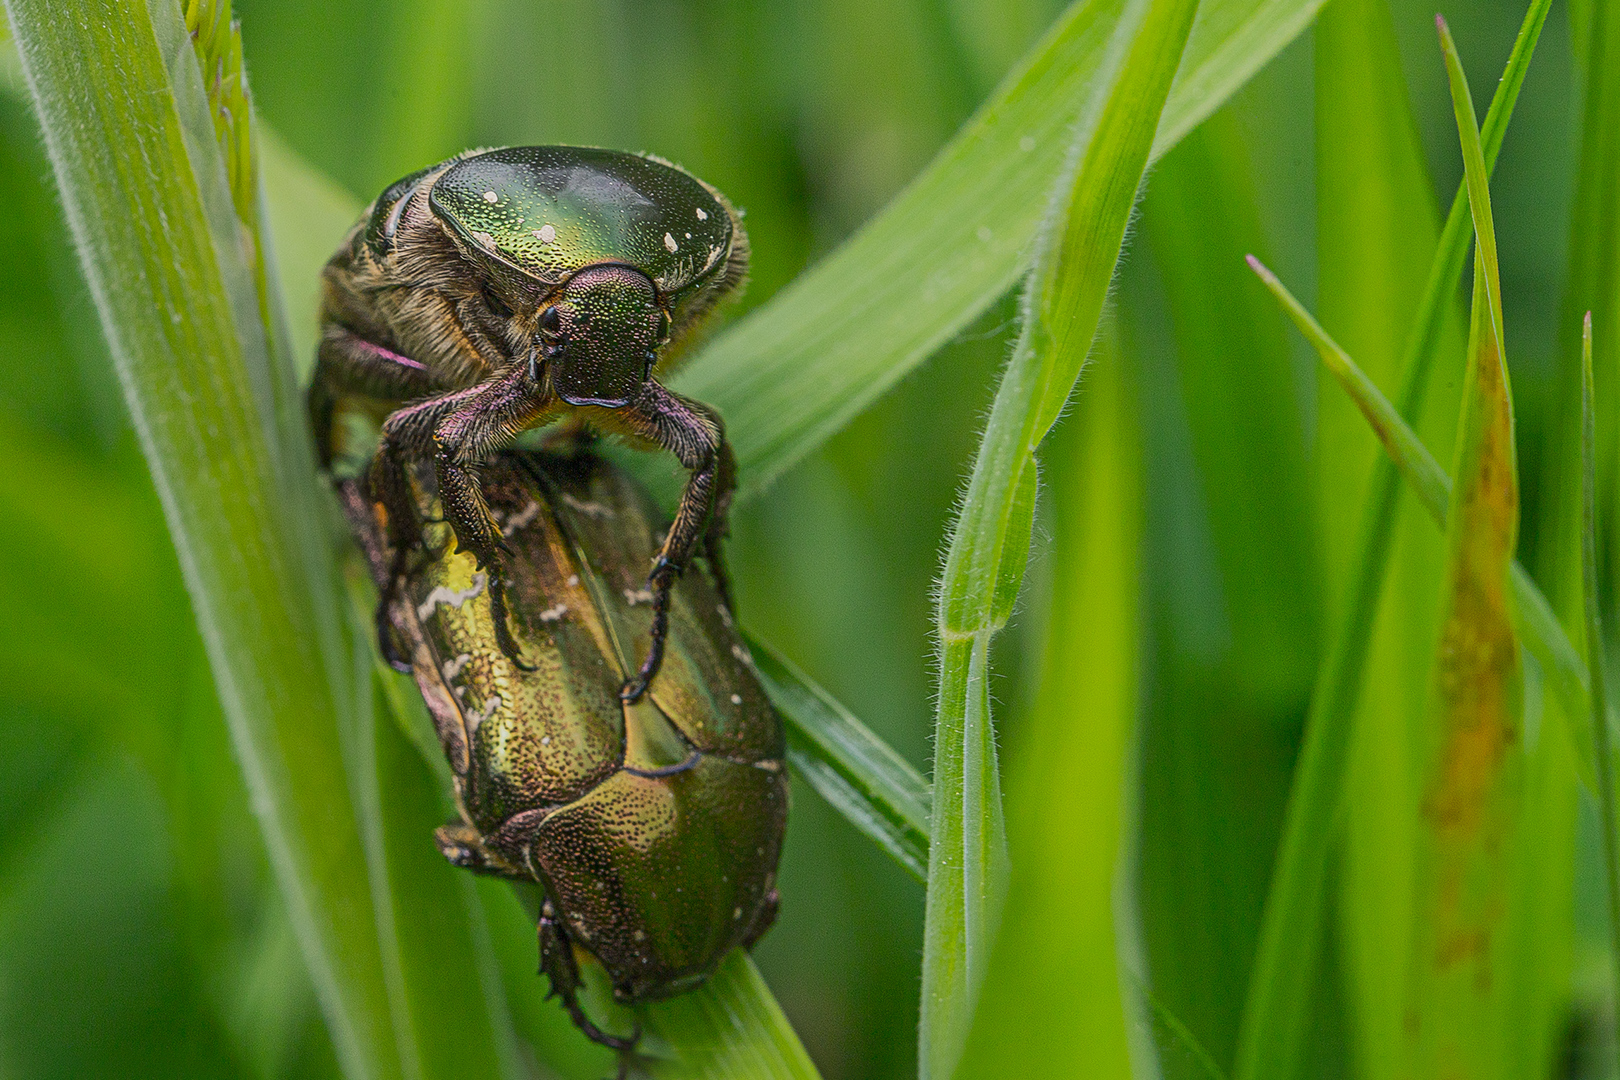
x,y
989,544
1277,1008
1602,748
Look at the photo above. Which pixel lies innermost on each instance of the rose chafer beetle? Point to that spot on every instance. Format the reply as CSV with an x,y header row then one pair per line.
x,y
652,827
507,289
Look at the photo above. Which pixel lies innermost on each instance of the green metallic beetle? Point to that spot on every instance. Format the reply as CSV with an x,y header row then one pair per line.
x,y
506,289
652,827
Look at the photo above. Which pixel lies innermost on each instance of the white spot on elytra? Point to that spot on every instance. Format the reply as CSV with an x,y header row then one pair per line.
x,y
725,615
736,913
444,594
736,699
1027,143
573,580
552,614
638,596
485,239
689,236
545,740
521,518
476,717
590,509
639,936
742,654
669,242
453,668
491,197
701,215
545,234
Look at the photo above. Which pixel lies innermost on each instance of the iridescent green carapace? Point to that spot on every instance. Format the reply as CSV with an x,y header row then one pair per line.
x,y
652,827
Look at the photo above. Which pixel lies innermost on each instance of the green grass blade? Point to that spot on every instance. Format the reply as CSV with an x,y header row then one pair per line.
x,y
859,774
1537,626
131,143
990,541
1475,767
1377,228
1608,816
798,369
730,1029
1067,797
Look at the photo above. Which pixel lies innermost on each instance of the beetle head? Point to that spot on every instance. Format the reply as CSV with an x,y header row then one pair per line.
x,y
600,333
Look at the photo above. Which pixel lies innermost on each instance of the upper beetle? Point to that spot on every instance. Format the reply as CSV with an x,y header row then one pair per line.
x,y
505,289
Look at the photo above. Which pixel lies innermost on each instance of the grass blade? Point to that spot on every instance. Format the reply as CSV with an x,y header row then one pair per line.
x,y
1475,772
795,371
1067,799
1608,816
127,127
1376,243
989,543
859,774
1285,960
1536,624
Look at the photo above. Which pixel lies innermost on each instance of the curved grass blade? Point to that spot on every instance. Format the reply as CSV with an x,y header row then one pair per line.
x,y
1067,799
989,543
794,372
130,138
859,774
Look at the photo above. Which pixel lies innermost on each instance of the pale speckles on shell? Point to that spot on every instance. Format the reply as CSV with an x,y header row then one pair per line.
x,y
736,699
475,717
725,615
444,594
485,240
736,913
701,215
742,654
638,596
669,242
552,614
545,234
454,667
573,581
491,197
638,935
590,509
545,740
769,766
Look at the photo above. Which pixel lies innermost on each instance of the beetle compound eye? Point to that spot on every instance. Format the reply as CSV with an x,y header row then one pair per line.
x,y
551,319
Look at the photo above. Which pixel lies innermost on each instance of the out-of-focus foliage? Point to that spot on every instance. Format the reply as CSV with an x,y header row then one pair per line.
x,y
1191,551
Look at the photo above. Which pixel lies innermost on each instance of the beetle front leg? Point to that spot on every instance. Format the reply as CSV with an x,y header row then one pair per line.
x,y
697,438
484,422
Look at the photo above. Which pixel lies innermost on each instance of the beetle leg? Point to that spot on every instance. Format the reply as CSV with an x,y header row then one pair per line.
x,y
348,363
488,419
558,965
402,440
697,438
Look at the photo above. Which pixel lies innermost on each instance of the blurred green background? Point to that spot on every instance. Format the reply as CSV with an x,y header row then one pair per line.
x,y
139,932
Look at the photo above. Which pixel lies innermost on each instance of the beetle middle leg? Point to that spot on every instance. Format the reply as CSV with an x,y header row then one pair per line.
x,y
558,965
697,438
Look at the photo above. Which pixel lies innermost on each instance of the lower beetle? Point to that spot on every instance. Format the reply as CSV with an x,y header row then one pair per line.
x,y
652,827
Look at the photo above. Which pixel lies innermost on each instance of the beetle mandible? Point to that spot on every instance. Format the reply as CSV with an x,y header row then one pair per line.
x,y
506,289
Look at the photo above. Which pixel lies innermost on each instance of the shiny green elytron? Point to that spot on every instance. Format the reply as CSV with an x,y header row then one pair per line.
x,y
653,827
508,289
